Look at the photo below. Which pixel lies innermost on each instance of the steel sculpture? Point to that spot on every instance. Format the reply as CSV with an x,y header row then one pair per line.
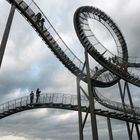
x,y
112,69
120,64
60,101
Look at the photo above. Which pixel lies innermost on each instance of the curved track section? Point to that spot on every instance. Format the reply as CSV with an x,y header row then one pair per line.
x,y
49,35
116,64
59,101
61,50
115,105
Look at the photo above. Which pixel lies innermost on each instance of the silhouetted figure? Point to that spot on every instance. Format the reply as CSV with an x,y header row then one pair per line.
x,y
42,23
31,97
125,67
38,17
96,68
39,20
115,60
109,59
37,95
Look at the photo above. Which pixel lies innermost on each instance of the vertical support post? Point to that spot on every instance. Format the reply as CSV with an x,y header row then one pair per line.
x,y
130,131
91,101
137,130
6,33
79,110
109,128
131,103
129,94
122,98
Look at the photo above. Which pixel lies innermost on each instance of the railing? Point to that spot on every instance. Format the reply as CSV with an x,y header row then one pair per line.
x,y
131,65
56,98
95,42
32,9
116,105
67,99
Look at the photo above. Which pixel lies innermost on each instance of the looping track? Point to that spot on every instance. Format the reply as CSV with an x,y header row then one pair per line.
x,y
69,59
89,41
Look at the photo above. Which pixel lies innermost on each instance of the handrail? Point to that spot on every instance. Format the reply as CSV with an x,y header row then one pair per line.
x,y
26,99
44,98
67,99
115,105
59,41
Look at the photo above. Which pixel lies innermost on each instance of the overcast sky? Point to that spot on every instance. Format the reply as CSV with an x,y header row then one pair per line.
x,y
28,64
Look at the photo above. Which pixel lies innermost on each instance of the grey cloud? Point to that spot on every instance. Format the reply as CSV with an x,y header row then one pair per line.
x,y
51,74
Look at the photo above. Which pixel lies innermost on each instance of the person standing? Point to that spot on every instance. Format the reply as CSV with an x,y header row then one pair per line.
x,y
38,18
37,95
42,21
31,97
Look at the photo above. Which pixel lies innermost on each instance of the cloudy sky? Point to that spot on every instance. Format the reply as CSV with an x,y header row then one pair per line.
x,y
28,64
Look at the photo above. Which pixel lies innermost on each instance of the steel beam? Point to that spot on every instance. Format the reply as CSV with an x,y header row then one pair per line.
x,y
122,94
79,110
131,103
91,101
6,33
109,128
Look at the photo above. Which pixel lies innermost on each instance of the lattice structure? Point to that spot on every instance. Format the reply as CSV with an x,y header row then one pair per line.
x,y
112,68
59,101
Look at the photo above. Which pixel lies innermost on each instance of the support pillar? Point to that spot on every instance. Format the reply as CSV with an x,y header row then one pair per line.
x,y
131,103
126,89
109,128
6,33
79,110
91,101
122,94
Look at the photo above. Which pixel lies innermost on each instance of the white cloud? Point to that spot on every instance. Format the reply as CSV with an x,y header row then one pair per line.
x,y
11,137
67,117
